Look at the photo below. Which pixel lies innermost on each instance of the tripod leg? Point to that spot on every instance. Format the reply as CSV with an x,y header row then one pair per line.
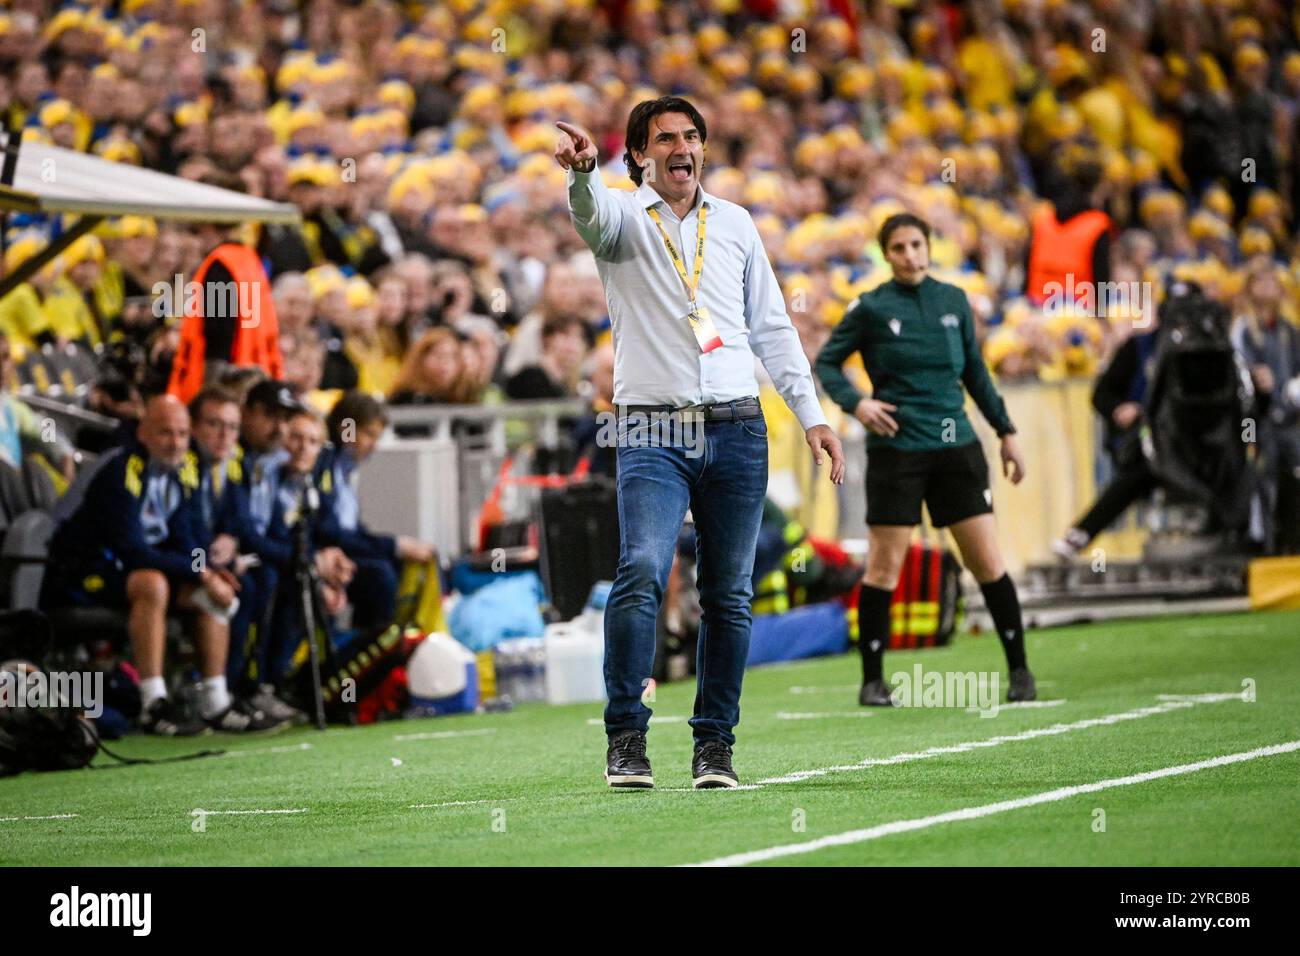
x,y
309,599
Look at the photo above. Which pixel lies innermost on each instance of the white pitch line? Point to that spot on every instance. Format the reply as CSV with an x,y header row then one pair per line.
x,y
785,715
287,748
1198,698
1049,731
449,803
1023,704
988,809
210,813
439,734
55,816
829,689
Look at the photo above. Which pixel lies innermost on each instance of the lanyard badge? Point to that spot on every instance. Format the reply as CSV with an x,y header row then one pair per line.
x,y
701,323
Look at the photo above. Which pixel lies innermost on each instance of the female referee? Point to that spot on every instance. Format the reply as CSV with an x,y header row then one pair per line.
x,y
917,339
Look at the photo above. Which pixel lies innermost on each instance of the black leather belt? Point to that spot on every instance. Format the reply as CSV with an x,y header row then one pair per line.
x,y
717,412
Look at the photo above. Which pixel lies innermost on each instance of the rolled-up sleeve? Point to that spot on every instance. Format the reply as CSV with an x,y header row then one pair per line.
x,y
595,211
774,339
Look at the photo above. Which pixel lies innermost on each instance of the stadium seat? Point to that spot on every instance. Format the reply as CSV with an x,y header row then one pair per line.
x,y
15,499
41,492
61,369
83,363
35,377
23,555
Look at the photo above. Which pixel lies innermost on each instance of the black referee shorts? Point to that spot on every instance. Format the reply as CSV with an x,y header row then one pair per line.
x,y
953,483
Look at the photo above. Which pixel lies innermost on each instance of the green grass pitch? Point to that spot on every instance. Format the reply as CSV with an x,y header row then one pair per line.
x,y
525,787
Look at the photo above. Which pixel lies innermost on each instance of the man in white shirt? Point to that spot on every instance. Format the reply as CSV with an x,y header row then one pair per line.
x,y
692,299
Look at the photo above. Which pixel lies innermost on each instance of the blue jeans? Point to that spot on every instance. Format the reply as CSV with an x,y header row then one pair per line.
x,y
724,487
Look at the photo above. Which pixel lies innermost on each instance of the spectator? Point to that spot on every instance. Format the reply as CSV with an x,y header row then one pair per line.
x,y
1069,244
1269,345
416,271
20,433
26,312
431,372
561,296
376,365
329,291
235,322
598,375
564,343
392,298
293,302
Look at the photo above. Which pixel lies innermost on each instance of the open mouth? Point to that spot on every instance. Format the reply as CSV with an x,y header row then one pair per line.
x,y
680,170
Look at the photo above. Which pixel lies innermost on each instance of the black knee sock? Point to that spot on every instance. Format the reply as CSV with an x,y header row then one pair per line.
x,y
873,629
1004,607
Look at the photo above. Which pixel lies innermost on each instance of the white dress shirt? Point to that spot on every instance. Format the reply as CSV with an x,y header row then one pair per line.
x,y
657,360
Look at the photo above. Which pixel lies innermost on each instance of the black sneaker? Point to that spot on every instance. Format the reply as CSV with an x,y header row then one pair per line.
x,y
626,764
242,717
1022,686
167,719
876,693
711,766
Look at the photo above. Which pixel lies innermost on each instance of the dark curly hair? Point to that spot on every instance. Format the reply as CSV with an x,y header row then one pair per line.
x,y
638,127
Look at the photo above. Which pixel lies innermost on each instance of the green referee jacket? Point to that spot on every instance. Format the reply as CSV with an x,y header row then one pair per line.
x,y
918,345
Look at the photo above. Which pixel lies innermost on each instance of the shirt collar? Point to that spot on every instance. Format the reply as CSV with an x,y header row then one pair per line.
x,y
645,194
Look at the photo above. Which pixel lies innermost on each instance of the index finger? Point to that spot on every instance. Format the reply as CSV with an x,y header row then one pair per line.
x,y
572,130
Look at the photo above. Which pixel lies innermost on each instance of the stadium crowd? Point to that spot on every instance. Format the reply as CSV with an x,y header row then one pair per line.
x,y
436,263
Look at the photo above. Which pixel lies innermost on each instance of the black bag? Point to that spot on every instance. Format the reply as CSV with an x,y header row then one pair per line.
x,y
48,738
579,541
54,738
37,738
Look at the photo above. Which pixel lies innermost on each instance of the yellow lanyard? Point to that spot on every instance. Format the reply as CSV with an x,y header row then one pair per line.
x,y
691,286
